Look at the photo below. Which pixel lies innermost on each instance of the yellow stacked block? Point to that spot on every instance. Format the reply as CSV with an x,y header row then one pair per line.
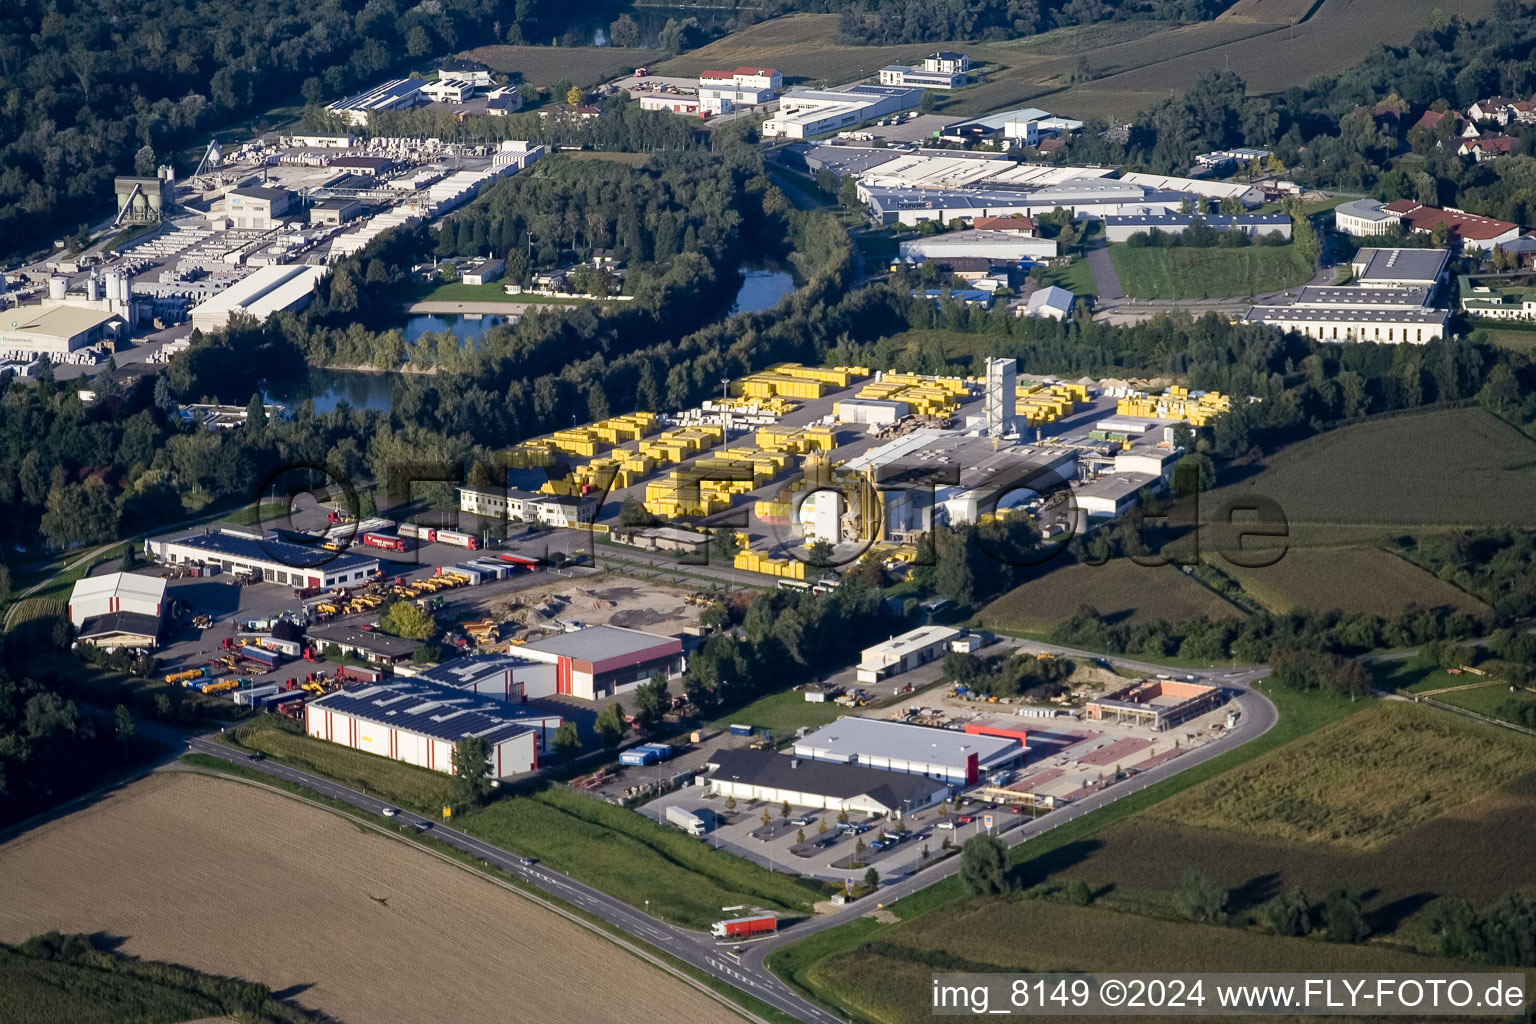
x,y
837,376
579,441
1177,404
785,568
771,509
531,455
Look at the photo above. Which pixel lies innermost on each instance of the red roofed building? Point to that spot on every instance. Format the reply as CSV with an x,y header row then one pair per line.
x,y
1487,147
723,91
1017,225
1469,229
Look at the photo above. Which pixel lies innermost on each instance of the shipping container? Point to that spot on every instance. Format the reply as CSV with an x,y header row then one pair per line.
x,y
638,756
252,697
476,574
741,730
662,751
497,570
384,541
743,927
260,655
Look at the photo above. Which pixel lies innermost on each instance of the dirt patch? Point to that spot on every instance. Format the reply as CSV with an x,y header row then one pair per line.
x,y
234,880
600,602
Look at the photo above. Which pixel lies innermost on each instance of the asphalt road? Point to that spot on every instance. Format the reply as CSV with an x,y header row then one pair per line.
x,y
746,970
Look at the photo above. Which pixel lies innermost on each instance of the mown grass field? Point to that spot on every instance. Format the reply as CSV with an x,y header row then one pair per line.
x,y
1121,590
1364,579
545,65
636,859
1402,474
458,291
1076,277
1512,338
783,713
890,981
417,788
1360,783
1181,273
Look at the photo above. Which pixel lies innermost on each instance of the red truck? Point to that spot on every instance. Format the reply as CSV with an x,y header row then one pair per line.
x,y
383,540
744,927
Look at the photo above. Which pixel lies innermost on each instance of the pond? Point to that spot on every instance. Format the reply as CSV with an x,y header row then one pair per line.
x,y
761,286
329,388
464,326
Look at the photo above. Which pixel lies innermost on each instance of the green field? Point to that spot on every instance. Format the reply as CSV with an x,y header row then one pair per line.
x,y
1360,783
1181,273
677,877
1076,277
400,783
1514,338
1120,589
1363,579
546,65
1399,474
83,985
890,980
783,713
496,291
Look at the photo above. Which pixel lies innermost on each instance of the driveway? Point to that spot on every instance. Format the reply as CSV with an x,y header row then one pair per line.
x,y
1104,277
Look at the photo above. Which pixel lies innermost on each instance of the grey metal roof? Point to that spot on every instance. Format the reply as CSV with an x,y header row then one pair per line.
x,y
428,709
261,192
1365,208
1402,264
119,622
466,671
822,778
276,552
1321,295
598,643
1344,315
854,736
363,639
1115,485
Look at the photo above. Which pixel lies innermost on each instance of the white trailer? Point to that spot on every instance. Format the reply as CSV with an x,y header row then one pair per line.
x,y
687,820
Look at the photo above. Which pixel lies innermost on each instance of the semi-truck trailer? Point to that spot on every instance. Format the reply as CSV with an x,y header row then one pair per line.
x,y
384,541
425,534
745,927
689,821
458,540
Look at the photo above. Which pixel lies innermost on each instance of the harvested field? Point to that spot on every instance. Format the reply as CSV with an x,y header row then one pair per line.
x,y
234,880
1352,580
1121,590
546,65
1450,468
1360,783
889,980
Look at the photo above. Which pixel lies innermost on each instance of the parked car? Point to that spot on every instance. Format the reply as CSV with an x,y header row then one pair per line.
x,y
947,826
878,844
256,755
965,819
801,822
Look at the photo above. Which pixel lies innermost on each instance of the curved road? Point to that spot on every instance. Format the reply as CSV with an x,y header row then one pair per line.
x,y
743,967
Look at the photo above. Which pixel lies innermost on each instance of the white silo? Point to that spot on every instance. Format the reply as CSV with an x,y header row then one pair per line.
x,y
57,286
92,288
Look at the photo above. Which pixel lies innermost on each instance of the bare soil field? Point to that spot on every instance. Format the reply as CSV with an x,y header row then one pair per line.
x,y
1361,579
606,601
1121,590
234,880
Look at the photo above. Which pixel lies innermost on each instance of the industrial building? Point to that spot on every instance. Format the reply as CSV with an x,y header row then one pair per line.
x,y
992,245
1052,302
482,271
1096,198
942,70
335,212
471,71
257,207
56,330
397,94
419,723
720,92
120,609
1470,230
1495,303
1400,268
805,113
1391,326
368,644
1249,195
269,290
275,561
1365,217
1121,228
1158,703
141,200
870,411
1112,494
600,661
1389,304
905,652
508,677
1023,127
956,758
777,779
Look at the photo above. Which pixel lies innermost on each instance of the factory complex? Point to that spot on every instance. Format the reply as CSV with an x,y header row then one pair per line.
x,y
1390,301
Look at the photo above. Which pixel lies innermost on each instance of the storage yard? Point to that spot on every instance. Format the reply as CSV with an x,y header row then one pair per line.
x,y
382,916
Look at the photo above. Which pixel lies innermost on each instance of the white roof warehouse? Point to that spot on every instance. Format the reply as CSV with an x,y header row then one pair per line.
x,y
418,723
953,757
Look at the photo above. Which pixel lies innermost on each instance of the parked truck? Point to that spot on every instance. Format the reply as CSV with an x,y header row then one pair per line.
x,y
458,540
691,822
745,927
384,541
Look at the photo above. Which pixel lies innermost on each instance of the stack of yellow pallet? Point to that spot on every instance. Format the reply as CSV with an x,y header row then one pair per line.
x,y
1040,404
926,396
767,385
677,445
796,440
1177,404
680,493
785,568
577,441
618,429
772,511
836,376
531,455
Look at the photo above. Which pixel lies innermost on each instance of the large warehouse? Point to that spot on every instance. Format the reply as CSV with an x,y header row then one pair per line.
x,y
120,609
418,723
905,652
275,289
503,676
1159,703
600,661
55,331
277,561
776,779
952,757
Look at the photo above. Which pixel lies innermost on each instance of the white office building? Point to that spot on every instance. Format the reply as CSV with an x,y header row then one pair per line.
x,y
904,653
805,113
942,70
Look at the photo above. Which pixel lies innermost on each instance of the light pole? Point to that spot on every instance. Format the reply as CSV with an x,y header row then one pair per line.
x,y
725,420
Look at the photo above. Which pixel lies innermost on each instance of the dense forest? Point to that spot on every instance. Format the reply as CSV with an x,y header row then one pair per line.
x,y
884,22
95,88
1351,130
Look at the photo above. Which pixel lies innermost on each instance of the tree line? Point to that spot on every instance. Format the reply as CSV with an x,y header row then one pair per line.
x,y
885,22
